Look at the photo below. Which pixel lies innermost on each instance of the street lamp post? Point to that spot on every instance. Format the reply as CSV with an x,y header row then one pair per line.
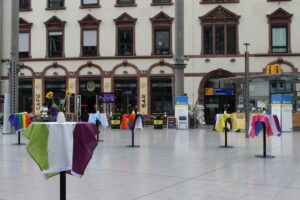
x,y
246,90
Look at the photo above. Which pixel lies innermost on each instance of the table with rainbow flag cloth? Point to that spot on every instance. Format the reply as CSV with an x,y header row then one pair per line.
x,y
132,122
19,121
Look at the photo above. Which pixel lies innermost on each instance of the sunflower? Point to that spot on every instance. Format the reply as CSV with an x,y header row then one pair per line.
x,y
49,95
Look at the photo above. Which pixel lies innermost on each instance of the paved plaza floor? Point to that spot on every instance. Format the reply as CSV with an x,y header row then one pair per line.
x,y
170,164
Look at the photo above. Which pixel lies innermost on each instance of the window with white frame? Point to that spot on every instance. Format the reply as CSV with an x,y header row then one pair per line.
x,y
24,45
279,39
90,2
89,46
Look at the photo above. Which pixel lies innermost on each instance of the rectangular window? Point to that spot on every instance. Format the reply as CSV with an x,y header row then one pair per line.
x,y
125,2
125,42
279,39
24,4
162,42
55,3
89,43
89,2
161,1
23,45
208,40
231,40
219,40
55,44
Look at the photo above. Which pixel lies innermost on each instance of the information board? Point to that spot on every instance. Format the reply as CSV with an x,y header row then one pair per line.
x,y
171,123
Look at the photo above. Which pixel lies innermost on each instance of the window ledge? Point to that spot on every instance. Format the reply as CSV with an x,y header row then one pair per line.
x,y
55,57
277,0
25,9
126,5
89,6
61,8
219,55
162,4
218,2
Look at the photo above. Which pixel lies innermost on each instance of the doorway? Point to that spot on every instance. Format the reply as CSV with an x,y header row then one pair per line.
x,y
89,89
126,96
25,96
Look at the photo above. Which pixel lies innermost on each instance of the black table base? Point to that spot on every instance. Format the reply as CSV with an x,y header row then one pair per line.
x,y
226,135
62,177
264,145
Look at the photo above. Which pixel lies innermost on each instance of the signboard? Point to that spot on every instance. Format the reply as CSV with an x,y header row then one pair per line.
x,y
2,98
171,123
181,111
90,86
282,107
223,91
219,91
181,100
37,96
282,99
209,91
144,95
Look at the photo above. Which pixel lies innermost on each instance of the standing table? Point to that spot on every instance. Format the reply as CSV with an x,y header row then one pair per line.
x,y
58,148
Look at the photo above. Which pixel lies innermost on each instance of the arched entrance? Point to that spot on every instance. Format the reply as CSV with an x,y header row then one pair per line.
x,y
126,87
161,88
216,96
55,79
89,88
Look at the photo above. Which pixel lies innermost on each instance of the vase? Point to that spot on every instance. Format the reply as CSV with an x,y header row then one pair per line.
x,y
61,117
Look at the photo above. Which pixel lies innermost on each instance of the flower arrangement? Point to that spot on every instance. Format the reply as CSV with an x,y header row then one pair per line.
x,y
61,102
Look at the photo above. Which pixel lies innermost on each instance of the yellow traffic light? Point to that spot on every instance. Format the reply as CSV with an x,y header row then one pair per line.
x,y
273,69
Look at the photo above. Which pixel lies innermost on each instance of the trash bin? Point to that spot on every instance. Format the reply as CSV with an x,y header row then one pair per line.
x,y
115,121
158,122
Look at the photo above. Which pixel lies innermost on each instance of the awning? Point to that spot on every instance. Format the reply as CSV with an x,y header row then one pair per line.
x,y
288,76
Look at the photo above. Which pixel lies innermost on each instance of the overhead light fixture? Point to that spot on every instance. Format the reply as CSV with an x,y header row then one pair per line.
x,y
207,60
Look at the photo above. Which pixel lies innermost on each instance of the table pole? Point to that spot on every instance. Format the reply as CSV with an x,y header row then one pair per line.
x,y
226,135
62,186
132,134
264,145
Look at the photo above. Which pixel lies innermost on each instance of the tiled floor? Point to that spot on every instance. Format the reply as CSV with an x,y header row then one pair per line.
x,y
170,164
